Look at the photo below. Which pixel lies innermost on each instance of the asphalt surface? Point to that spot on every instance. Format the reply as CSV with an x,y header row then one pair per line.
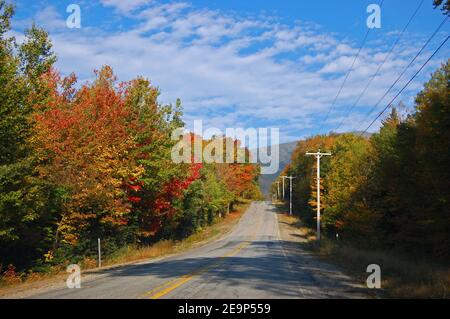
x,y
252,261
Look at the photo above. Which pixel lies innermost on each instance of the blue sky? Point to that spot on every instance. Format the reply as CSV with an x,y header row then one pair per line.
x,y
249,63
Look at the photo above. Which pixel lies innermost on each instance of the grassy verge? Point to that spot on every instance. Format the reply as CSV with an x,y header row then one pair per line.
x,y
402,276
130,254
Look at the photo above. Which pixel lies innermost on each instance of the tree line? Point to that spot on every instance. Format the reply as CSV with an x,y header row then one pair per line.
x,y
390,189
80,161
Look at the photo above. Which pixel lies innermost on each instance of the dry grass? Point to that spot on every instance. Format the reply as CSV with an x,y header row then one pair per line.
x,y
402,276
128,254
300,230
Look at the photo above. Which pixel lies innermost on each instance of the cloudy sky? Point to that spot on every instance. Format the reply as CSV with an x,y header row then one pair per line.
x,y
249,63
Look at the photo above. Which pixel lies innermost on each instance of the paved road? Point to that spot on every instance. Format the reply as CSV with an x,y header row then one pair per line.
x,y
250,262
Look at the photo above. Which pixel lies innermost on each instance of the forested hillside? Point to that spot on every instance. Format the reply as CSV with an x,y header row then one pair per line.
x,y
81,161
285,152
390,190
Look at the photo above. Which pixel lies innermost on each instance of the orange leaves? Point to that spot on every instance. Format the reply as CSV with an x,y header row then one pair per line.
x,y
239,178
108,147
85,139
10,276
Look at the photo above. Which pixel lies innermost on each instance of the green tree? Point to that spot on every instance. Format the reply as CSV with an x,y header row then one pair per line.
x,y
430,143
444,4
347,172
26,203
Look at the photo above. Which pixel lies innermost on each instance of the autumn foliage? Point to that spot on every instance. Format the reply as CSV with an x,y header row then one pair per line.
x,y
82,161
106,147
389,190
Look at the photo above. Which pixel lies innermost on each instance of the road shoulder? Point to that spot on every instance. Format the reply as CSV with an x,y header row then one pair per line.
x,y
331,280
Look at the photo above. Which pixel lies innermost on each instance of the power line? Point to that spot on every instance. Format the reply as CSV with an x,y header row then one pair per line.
x,y
406,85
381,65
345,79
406,68
348,73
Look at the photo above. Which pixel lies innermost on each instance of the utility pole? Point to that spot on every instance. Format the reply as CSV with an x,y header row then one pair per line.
x,y
283,177
278,189
290,193
318,155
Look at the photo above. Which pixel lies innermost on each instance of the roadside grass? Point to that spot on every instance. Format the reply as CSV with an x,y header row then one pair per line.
x,y
402,276
129,254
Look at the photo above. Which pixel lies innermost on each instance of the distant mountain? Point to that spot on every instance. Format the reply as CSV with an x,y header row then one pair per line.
x,y
286,149
265,181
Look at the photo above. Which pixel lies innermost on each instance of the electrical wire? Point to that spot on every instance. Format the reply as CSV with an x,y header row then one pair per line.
x,y
380,66
405,86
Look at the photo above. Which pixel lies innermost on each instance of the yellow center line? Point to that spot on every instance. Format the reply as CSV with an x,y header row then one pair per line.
x,y
173,284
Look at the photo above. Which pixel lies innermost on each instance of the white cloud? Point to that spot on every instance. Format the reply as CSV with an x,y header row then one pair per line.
x,y
125,5
232,70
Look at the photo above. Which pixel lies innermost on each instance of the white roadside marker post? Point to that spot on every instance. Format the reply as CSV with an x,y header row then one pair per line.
x,y
99,254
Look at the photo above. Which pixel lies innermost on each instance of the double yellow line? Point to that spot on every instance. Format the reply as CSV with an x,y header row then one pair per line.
x,y
171,285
